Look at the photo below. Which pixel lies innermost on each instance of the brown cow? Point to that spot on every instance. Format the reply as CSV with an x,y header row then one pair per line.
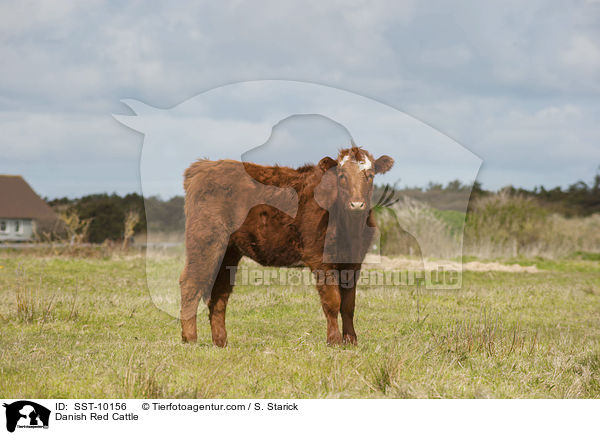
x,y
317,216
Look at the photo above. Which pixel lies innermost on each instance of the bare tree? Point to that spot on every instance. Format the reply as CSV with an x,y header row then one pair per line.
x,y
77,229
131,220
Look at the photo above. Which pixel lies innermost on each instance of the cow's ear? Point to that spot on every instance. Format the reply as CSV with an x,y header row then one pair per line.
x,y
326,191
383,164
326,163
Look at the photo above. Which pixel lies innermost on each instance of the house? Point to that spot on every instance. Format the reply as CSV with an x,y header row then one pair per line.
x,y
22,211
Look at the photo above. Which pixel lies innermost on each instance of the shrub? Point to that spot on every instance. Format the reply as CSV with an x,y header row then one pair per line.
x,y
504,225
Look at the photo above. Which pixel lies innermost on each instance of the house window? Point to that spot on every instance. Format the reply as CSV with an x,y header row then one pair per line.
x,y
18,227
3,227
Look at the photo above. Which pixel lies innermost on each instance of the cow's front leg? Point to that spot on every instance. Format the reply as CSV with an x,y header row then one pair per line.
x,y
330,301
347,310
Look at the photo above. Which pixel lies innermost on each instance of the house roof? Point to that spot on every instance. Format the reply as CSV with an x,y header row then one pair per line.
x,y
18,200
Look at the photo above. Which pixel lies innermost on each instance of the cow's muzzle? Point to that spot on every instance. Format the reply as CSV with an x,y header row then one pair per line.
x,y
357,206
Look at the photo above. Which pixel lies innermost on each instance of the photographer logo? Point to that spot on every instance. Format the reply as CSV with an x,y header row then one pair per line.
x,y
25,414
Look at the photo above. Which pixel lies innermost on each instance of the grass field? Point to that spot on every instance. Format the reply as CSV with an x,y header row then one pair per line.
x,y
86,327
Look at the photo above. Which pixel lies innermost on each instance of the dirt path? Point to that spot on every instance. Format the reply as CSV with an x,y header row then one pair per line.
x,y
387,263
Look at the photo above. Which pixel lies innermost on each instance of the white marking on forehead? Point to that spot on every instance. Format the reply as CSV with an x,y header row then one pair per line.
x,y
363,166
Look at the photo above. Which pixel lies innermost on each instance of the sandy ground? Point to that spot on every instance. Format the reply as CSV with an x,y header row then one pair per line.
x,y
401,263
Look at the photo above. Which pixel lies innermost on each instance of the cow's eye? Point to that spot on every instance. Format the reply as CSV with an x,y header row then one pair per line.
x,y
369,176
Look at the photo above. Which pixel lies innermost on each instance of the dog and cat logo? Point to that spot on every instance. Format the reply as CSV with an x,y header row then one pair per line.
x,y
26,414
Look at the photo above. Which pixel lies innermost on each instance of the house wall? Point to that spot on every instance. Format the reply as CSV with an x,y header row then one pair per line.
x,y
10,232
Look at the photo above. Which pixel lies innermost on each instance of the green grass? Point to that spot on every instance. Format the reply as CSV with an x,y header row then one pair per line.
x,y
80,328
455,220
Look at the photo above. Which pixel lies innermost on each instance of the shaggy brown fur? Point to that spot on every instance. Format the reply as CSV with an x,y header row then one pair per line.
x,y
318,216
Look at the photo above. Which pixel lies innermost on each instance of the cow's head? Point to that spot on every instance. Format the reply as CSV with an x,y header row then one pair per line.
x,y
348,181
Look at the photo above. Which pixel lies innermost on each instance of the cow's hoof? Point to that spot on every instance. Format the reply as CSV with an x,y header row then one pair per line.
x,y
189,339
350,339
334,340
220,341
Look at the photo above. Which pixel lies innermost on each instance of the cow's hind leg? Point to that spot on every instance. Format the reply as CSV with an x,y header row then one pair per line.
x,y
217,305
204,257
190,297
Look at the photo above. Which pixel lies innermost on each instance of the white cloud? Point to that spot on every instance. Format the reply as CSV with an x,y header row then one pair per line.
x,y
583,55
23,17
550,145
54,136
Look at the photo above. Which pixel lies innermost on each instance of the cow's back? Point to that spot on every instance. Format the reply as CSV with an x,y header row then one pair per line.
x,y
258,203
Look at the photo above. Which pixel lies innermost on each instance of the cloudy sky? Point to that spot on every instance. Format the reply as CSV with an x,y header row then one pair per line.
x,y
517,83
